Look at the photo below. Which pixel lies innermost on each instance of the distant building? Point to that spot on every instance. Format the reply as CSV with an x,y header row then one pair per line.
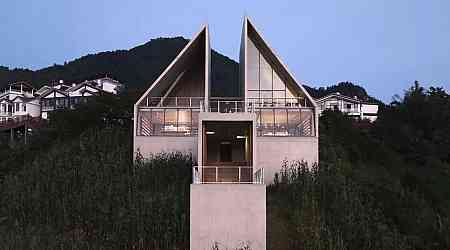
x,y
21,100
352,107
62,96
109,85
17,101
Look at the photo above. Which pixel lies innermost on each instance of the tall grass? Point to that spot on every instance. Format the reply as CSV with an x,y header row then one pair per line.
x,y
322,208
88,194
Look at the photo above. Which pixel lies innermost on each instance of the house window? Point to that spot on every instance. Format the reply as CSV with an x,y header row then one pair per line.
x,y
17,107
285,122
349,106
175,122
24,107
264,84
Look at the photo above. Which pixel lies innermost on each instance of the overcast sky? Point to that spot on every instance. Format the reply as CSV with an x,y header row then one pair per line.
x,y
383,45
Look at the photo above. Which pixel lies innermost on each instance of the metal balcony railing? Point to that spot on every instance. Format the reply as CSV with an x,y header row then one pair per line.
x,y
227,175
222,104
194,102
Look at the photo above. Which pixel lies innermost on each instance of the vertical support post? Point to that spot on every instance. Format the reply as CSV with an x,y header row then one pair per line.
x,y
217,174
218,106
235,106
239,178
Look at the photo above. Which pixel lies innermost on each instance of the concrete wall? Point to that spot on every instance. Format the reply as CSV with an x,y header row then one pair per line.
x,y
229,214
272,151
148,145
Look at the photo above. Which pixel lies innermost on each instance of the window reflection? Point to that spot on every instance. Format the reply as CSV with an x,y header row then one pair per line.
x,y
168,122
253,66
285,122
264,82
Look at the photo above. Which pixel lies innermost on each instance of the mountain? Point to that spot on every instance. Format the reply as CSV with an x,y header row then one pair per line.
x,y
141,65
136,67
345,88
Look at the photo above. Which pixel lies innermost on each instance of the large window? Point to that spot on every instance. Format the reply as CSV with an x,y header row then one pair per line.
x,y
168,122
285,122
265,86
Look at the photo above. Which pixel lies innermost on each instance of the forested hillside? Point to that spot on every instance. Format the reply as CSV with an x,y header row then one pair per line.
x,y
138,67
383,187
344,88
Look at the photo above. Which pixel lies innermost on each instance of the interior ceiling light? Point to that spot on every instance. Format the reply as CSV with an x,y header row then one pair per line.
x,y
241,137
210,132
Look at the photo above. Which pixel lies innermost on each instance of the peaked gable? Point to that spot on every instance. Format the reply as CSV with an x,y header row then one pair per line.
x,y
252,42
51,93
183,75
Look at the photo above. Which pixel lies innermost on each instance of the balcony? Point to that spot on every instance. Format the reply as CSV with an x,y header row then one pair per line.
x,y
227,175
178,116
173,102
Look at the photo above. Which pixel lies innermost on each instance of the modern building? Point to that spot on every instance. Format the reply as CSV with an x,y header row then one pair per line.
x,y
351,106
238,142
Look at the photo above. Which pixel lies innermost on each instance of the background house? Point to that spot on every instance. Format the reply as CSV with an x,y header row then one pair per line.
x,y
351,106
17,101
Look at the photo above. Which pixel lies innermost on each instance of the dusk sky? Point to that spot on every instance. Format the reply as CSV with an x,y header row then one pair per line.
x,y
382,45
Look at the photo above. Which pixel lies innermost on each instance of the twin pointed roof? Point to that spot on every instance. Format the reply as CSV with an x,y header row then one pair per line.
x,y
170,76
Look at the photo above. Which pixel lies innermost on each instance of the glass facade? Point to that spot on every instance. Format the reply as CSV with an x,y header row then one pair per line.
x,y
264,84
168,122
285,122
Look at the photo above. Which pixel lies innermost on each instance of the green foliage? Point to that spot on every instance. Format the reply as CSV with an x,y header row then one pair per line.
x,y
88,194
386,187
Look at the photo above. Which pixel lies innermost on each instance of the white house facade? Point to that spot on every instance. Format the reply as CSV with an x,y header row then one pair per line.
x,y
62,96
19,100
238,142
351,106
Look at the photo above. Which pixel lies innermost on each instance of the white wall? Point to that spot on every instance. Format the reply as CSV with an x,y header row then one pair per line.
x,y
109,87
148,145
369,108
34,108
228,214
272,151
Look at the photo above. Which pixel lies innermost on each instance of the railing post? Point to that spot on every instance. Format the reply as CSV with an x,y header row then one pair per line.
x,y
218,106
217,174
262,176
239,176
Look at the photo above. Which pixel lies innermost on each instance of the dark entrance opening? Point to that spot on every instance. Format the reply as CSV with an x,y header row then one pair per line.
x,y
227,151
